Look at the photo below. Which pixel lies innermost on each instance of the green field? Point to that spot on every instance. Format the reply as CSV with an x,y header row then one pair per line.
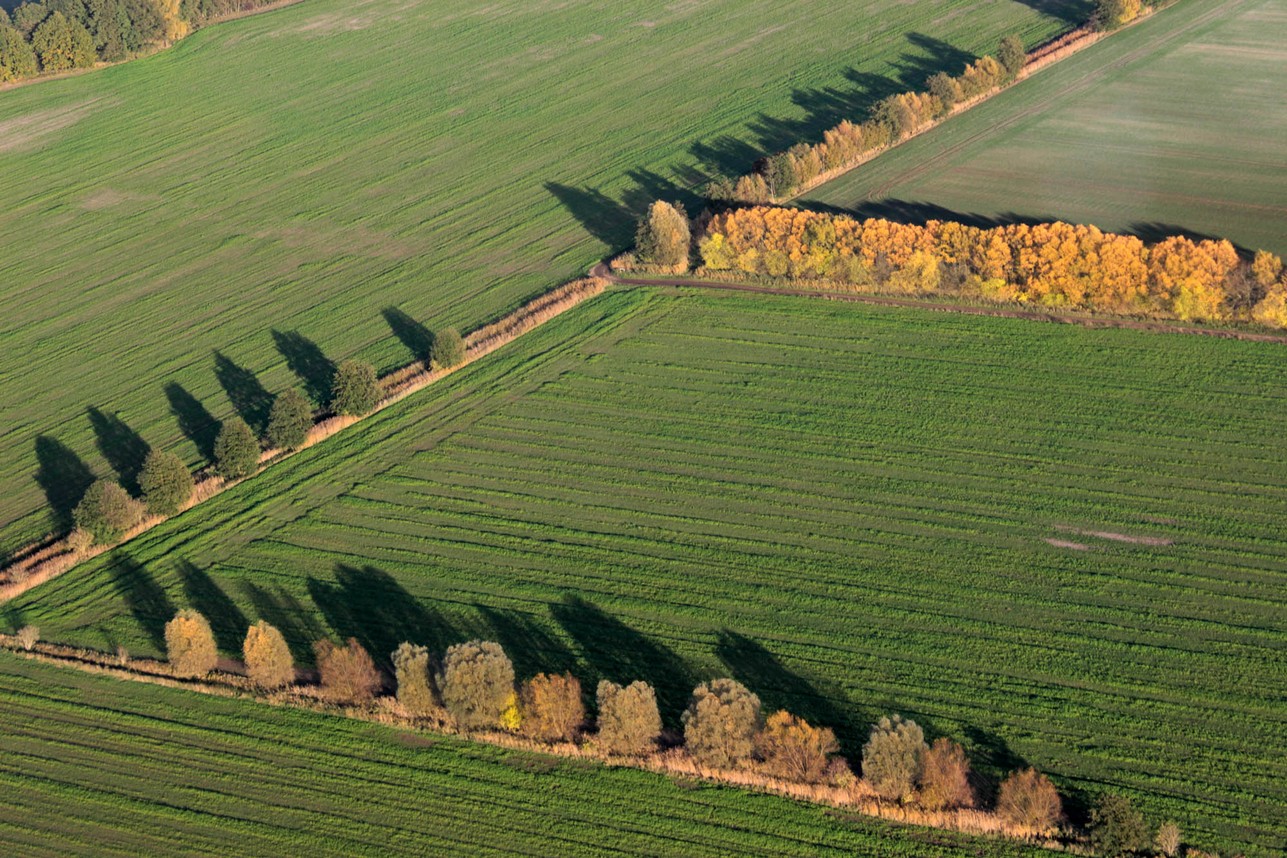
x,y
1174,126
94,766
259,196
852,509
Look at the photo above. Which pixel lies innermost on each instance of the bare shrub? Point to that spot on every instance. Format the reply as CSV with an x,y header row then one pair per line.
x,y
348,673
794,750
945,777
268,660
629,721
1168,839
1028,800
891,758
476,683
27,637
190,644
721,723
415,689
551,706
79,540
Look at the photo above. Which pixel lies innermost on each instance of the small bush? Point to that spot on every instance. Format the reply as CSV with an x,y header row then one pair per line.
x,y
721,723
27,637
268,660
356,390
107,511
166,483
629,721
1168,839
891,758
289,421
236,450
476,683
1117,828
1011,56
190,644
448,349
415,689
945,777
551,706
348,673
794,750
79,540
1028,800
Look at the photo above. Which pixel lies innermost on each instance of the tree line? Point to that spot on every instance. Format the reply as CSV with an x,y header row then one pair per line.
x,y
107,511
1054,265
473,687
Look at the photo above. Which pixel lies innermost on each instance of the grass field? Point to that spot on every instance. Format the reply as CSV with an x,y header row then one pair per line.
x,y
1175,126
1061,546
182,230
95,766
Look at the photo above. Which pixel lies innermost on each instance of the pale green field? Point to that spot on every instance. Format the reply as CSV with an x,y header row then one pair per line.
x,y
306,169
1175,126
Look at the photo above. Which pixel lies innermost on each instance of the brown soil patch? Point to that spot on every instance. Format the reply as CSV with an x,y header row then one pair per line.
x,y
1064,543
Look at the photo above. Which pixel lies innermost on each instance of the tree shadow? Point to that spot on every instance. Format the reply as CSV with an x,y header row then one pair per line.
x,y
416,337
612,650
198,424
370,605
146,599
933,56
307,360
285,612
226,620
1071,12
122,447
248,397
63,476
609,221
992,759
528,643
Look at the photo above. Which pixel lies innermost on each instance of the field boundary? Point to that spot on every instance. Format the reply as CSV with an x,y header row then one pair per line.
x,y
41,561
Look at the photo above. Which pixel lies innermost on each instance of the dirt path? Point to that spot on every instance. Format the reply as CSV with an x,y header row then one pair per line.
x,y
602,271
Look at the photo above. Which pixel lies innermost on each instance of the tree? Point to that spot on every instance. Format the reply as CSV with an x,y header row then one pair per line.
x,y
663,237
236,450
62,44
551,706
17,59
28,636
721,723
355,388
415,689
448,349
629,721
1028,800
1168,839
190,644
945,776
476,683
289,421
29,16
348,673
891,758
1117,828
945,88
107,511
1011,55
268,660
166,482
1111,14
794,750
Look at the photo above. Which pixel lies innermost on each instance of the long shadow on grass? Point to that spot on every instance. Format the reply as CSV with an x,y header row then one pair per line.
x,y
195,421
307,360
612,650
146,599
282,610
416,337
250,399
528,643
63,476
122,447
368,604
1071,12
613,222
226,620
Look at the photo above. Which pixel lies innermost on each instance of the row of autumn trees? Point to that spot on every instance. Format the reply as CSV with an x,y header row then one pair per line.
x,y
107,511
1049,264
472,687
57,35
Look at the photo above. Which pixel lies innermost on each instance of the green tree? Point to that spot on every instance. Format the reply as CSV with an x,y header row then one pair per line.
x,y
62,44
17,59
891,758
945,88
166,482
1111,14
355,389
664,237
236,450
29,16
448,349
629,721
1012,56
190,644
1117,828
268,660
415,689
476,683
107,511
289,421
721,723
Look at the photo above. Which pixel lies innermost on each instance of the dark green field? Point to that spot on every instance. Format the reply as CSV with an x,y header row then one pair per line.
x,y
1063,547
